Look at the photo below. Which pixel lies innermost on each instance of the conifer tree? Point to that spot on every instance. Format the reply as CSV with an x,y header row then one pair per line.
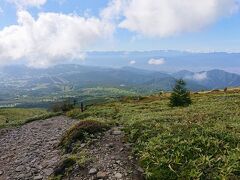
x,y
180,95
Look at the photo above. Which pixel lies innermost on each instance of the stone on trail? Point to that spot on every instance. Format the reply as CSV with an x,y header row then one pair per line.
x,y
48,172
118,175
117,132
139,169
1,173
39,177
92,171
110,145
21,176
19,168
101,175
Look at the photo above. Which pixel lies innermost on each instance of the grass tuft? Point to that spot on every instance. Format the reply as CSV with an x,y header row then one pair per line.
x,y
80,132
66,165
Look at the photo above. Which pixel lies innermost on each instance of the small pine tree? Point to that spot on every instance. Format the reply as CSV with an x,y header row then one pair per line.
x,y
180,95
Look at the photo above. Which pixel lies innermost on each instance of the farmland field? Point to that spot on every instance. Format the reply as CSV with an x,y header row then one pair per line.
x,y
201,141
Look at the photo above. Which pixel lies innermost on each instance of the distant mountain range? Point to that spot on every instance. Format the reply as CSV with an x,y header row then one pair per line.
x,y
212,79
21,80
171,61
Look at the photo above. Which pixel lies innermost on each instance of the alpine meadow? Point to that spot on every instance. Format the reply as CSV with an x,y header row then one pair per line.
x,y
120,90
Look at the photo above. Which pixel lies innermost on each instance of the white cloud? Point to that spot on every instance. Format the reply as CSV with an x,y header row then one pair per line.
x,y
163,18
200,76
160,61
113,10
28,3
50,39
132,62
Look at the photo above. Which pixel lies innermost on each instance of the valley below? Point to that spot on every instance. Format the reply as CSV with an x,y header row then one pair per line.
x,y
21,86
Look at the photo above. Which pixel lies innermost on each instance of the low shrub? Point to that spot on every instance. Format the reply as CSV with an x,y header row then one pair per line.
x,y
62,106
80,132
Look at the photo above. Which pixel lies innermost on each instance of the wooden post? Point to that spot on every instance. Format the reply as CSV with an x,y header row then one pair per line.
x,y
74,102
82,107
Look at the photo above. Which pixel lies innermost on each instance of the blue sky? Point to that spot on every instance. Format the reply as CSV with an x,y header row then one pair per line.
x,y
215,27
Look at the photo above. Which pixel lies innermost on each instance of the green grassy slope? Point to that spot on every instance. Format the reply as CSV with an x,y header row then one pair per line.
x,y
201,141
18,116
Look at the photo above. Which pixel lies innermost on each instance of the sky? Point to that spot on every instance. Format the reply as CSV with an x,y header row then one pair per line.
x,y
42,33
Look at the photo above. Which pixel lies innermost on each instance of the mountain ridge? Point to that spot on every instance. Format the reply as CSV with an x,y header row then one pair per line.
x,y
91,76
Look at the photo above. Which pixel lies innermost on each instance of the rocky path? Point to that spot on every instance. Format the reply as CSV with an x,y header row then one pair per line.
x,y
30,151
111,159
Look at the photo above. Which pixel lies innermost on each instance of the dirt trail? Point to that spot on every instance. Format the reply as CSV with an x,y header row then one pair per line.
x,y
112,159
30,151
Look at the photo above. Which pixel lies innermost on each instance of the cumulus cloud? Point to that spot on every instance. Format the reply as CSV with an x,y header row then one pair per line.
x,y
113,10
163,18
200,76
132,62
28,3
160,61
50,39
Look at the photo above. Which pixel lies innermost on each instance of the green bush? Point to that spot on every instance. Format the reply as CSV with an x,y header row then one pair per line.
x,y
62,106
80,132
180,95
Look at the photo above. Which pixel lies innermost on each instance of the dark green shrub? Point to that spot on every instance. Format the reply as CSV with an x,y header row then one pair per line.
x,y
180,95
80,132
62,106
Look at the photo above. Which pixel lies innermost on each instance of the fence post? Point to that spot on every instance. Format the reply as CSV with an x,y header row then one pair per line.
x,y
82,107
